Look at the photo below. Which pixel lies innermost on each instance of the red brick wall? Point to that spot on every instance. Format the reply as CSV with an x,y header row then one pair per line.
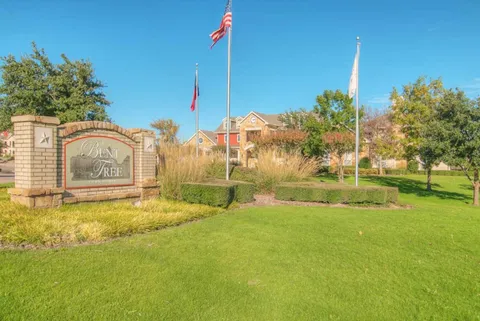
x,y
233,139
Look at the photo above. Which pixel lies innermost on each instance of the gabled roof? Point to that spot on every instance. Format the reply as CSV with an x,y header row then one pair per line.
x,y
211,135
221,130
208,133
270,119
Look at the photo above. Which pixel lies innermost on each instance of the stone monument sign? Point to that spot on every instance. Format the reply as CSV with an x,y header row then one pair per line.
x,y
81,162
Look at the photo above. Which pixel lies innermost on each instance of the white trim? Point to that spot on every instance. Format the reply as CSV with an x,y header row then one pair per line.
x,y
252,112
252,129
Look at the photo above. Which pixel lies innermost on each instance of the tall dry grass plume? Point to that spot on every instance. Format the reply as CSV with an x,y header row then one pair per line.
x,y
275,165
179,164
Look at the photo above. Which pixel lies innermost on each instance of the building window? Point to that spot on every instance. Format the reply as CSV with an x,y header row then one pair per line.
x,y
225,138
200,140
224,124
348,160
238,137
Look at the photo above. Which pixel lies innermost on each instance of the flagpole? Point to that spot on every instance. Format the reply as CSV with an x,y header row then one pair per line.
x,y
357,129
196,110
227,174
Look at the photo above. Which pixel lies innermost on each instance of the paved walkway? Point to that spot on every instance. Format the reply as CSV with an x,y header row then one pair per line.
x,y
7,174
7,178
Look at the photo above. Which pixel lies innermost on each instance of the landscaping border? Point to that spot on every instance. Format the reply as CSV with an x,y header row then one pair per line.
x,y
336,194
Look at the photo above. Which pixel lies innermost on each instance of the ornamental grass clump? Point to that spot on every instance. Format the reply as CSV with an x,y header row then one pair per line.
x,y
179,164
275,166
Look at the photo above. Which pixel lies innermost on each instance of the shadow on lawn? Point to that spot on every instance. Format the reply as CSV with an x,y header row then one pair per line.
x,y
417,187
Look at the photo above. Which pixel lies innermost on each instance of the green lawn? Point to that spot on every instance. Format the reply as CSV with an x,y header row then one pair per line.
x,y
274,263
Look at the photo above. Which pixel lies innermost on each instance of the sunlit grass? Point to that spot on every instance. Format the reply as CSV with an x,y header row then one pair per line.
x,y
266,263
95,222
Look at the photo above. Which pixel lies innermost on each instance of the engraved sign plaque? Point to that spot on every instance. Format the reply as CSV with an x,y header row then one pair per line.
x,y
98,161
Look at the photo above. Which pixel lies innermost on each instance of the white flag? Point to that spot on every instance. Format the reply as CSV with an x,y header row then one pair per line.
x,y
352,87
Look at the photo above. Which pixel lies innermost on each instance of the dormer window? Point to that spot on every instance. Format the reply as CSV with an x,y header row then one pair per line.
x,y
225,124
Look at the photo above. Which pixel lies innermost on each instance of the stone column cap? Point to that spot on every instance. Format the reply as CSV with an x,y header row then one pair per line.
x,y
35,119
141,131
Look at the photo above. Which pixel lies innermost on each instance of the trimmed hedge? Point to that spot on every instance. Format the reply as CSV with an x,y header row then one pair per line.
x,y
424,172
244,191
350,170
361,171
237,173
441,173
213,194
389,171
336,194
228,191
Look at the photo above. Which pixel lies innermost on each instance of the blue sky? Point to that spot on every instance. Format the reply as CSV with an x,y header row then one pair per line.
x,y
284,52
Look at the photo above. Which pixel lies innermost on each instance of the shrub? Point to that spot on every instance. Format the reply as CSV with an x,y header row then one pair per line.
x,y
447,173
213,194
334,194
423,172
361,171
396,171
324,170
365,163
244,191
392,194
412,166
179,164
217,170
275,166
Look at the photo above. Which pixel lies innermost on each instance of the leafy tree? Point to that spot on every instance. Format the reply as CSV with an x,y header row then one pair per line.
x,y
380,134
35,85
333,118
295,120
430,151
167,130
336,111
413,111
338,144
455,133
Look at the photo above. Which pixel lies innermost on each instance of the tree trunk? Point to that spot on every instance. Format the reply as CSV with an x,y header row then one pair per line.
x,y
476,187
380,168
340,173
429,179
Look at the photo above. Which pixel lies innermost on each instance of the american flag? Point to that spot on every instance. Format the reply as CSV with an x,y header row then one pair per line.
x,y
224,25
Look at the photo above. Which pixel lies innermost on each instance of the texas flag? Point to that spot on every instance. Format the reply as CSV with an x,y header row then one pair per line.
x,y
196,94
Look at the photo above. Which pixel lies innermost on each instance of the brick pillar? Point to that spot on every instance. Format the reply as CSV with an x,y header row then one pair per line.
x,y
146,178
36,161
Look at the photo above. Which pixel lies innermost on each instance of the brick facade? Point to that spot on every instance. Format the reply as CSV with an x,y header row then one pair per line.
x,y
250,126
39,179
